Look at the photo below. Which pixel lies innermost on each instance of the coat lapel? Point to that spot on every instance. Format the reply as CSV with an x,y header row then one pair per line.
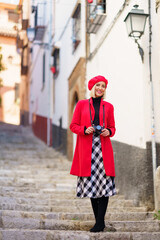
x,y
92,109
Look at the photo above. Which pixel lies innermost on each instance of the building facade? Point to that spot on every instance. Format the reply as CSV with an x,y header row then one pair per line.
x,y
89,38
113,54
10,59
24,48
40,75
110,52
70,69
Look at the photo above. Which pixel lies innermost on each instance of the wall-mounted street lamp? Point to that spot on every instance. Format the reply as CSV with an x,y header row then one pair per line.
x,y
135,23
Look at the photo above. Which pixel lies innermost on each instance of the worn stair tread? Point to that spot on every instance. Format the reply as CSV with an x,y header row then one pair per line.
x,y
31,190
38,203
15,234
58,208
111,216
49,208
52,201
54,224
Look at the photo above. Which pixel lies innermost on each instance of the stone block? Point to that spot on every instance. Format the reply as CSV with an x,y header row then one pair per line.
x,y
157,189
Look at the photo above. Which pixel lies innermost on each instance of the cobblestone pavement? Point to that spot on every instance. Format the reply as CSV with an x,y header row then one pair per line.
x,y
37,197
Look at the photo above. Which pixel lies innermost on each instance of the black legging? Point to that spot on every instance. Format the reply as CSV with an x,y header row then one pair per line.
x,y
99,206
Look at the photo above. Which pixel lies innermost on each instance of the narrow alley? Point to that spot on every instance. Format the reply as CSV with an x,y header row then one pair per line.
x,y
37,197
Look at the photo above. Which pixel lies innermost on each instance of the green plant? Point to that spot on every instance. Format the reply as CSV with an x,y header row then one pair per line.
x,y
157,215
2,67
75,218
1,82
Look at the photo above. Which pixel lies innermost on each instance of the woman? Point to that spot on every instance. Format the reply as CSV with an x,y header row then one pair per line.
x,y
93,162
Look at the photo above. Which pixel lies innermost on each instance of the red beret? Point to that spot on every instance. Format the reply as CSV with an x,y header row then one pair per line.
x,y
96,79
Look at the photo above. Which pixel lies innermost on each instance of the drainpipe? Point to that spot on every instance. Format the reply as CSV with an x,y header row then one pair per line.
x,y
154,160
49,78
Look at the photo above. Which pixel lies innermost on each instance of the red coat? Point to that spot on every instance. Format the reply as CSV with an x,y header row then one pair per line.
x,y
81,165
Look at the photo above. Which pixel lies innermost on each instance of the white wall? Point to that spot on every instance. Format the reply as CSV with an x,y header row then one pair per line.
x,y
40,94
156,66
128,90
68,59
117,59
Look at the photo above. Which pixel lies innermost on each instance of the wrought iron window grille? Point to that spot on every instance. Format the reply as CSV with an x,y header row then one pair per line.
x,y
96,14
76,20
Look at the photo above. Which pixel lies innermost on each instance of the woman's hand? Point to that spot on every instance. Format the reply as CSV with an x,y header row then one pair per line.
x,y
105,132
89,130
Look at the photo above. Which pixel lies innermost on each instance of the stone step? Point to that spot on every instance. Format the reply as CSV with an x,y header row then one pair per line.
x,y
26,194
110,216
35,193
74,235
56,198
8,222
51,208
73,209
39,166
32,157
38,199
62,202
51,185
15,234
30,150
30,171
36,174
67,197
65,193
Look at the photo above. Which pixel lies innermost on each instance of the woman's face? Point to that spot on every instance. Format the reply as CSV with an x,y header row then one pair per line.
x,y
100,89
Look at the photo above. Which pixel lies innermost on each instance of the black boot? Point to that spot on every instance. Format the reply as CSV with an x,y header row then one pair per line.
x,y
94,203
102,207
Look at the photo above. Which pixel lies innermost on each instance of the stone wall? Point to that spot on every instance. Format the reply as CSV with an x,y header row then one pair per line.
x,y
59,136
134,176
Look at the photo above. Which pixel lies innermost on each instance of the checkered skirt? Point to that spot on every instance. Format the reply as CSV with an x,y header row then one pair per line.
x,y
98,184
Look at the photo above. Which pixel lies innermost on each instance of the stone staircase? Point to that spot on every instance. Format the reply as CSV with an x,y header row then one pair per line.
x,y
37,197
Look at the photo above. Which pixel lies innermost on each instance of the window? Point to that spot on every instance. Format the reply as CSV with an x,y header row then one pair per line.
x,y
97,6
39,14
13,16
96,14
56,61
76,17
44,68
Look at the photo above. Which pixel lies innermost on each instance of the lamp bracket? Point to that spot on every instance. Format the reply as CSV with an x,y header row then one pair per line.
x,y
141,52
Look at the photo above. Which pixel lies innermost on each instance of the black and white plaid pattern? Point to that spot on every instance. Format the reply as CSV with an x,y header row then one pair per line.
x,y
98,184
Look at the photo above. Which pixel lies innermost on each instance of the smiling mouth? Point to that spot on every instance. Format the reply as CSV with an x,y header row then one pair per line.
x,y
99,92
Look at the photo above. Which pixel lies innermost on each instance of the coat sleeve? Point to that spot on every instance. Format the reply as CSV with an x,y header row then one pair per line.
x,y
111,121
75,125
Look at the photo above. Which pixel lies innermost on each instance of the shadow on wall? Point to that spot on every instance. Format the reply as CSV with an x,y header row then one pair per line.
x,y
59,137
